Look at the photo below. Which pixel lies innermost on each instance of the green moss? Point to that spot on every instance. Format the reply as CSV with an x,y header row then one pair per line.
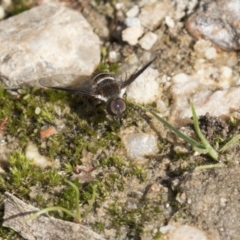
x,y
19,6
80,126
157,235
23,175
134,218
105,65
99,226
23,178
8,234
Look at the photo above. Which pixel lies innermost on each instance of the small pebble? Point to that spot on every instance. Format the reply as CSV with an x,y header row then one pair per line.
x,y
223,202
204,48
161,106
112,56
48,132
132,34
132,21
152,14
167,228
32,154
226,72
37,110
6,3
169,22
186,232
119,6
2,13
133,12
148,40
140,144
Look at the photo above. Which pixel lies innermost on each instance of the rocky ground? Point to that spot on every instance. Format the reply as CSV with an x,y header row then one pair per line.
x,y
137,180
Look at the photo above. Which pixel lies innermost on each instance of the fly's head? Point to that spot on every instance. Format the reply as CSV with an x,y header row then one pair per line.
x,y
116,106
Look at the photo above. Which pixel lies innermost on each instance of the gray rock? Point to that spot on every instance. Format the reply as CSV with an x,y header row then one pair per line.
x,y
42,227
217,22
44,41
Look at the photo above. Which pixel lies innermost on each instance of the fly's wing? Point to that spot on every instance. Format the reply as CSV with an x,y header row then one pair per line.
x,y
136,74
70,83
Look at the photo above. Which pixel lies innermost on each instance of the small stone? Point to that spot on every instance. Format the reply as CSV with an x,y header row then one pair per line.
x,y
132,21
133,12
169,22
167,228
223,202
46,133
186,232
33,155
37,110
181,198
204,48
132,34
211,53
2,13
161,106
152,14
119,6
226,72
148,40
6,4
140,144
112,56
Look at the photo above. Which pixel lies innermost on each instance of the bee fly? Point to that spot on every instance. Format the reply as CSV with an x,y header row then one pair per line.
x,y
103,87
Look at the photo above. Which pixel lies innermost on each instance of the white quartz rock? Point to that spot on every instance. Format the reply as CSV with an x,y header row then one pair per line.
x,y
37,159
133,12
206,100
140,144
132,21
132,34
148,40
184,232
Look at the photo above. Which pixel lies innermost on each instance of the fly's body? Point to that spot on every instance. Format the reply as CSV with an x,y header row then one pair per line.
x,y
107,87
102,86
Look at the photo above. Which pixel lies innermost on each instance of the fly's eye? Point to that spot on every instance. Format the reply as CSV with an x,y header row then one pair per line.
x,y
116,106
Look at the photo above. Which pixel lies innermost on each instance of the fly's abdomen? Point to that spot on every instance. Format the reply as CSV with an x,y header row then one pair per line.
x,y
101,77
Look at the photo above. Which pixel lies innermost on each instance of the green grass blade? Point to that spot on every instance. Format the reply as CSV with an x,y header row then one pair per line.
x,y
78,213
210,166
230,143
50,209
210,150
91,201
190,140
